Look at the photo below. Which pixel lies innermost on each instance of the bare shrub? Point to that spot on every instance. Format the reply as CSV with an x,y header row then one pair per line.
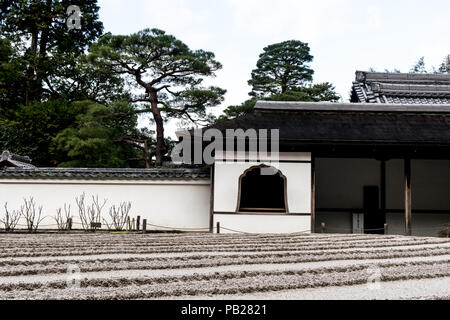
x,y
119,216
90,215
445,233
11,218
62,221
32,214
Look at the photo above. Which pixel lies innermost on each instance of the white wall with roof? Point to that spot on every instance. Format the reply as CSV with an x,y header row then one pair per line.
x,y
168,203
295,166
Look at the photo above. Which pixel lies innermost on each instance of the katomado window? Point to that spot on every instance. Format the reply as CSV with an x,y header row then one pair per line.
x,y
262,192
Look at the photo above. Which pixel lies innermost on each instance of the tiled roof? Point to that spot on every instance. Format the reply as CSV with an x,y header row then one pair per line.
x,y
404,88
106,173
8,159
349,123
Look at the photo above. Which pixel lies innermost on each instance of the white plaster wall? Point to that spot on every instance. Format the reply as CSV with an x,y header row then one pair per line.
x,y
178,204
262,223
298,177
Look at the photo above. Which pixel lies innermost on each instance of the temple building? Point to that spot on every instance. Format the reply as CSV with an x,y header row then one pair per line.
x,y
377,164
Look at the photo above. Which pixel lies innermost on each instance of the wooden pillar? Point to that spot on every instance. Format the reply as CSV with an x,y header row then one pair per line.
x,y
407,165
211,200
313,194
383,189
144,226
138,223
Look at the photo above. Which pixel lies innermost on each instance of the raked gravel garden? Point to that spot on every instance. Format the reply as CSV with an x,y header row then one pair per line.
x,y
223,266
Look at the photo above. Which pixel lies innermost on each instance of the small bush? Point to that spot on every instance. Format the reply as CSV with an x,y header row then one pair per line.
x,y
11,219
90,215
32,214
119,216
62,221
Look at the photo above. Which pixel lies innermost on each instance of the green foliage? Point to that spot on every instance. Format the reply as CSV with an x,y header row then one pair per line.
x,y
30,129
281,67
313,93
92,141
45,22
40,35
445,65
168,71
283,74
238,110
443,68
12,69
171,70
77,79
419,67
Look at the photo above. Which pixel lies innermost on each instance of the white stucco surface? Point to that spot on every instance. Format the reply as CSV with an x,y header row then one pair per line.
x,y
177,204
262,223
298,177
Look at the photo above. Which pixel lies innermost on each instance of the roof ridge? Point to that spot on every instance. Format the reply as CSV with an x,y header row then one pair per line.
x,y
347,106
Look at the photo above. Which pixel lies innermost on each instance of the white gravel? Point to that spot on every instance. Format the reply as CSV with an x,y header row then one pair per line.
x,y
156,273
392,290
212,253
233,277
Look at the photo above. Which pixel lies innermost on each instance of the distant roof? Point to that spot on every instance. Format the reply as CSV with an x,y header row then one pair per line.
x,y
106,173
8,159
401,88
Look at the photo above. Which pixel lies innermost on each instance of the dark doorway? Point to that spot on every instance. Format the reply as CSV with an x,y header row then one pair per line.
x,y
373,217
262,193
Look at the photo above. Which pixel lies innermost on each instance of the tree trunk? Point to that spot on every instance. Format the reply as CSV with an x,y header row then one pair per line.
x,y
147,155
160,145
30,73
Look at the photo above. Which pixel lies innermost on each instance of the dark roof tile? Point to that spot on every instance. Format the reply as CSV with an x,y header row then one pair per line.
x,y
403,88
107,173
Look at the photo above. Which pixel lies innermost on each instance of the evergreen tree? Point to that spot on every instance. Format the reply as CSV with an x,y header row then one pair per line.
x,y
283,74
281,67
38,30
169,73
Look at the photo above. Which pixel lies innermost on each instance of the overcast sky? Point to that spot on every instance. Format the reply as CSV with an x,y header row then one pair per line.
x,y
344,35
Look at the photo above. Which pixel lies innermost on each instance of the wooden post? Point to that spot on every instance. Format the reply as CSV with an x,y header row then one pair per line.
x,y
211,200
138,223
128,223
322,227
313,194
133,224
218,227
386,228
383,189
407,163
144,226
69,224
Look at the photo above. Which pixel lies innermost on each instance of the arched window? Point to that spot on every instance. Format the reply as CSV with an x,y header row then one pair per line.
x,y
262,193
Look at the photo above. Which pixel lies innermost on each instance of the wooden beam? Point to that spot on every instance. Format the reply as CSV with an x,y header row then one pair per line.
x,y
313,194
211,201
407,165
